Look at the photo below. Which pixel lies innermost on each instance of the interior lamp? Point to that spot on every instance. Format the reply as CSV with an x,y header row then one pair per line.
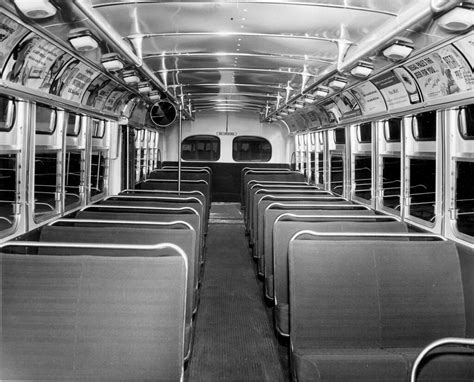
x,y
458,19
290,109
144,87
112,62
154,95
130,77
362,69
338,83
399,49
283,113
36,9
309,99
279,117
299,105
321,91
82,40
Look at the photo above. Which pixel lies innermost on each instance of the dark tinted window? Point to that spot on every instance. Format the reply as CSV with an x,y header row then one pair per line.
x,y
424,126
98,128
201,148
465,198
364,133
466,122
392,130
7,114
422,188
45,120
73,125
249,149
340,136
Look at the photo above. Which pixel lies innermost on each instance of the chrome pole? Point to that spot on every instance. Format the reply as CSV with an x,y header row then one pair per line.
x,y
180,138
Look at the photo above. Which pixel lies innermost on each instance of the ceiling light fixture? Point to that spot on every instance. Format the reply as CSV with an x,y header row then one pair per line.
x,y
130,77
290,109
458,19
283,113
362,69
321,91
36,9
112,62
337,83
309,99
82,39
398,49
144,87
299,104
154,95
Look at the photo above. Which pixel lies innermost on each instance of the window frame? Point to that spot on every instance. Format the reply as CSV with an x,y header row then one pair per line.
x,y
215,138
255,138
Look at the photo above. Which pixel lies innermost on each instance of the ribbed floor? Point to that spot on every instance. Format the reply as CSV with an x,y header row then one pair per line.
x,y
234,339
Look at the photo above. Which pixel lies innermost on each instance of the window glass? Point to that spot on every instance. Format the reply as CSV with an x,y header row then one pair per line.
x,y
424,126
98,128
138,155
340,136
312,159
74,175
363,176
250,149
7,113
464,203
466,122
391,168
73,125
392,129
364,133
98,173
422,188
201,148
320,168
8,190
45,120
337,174
47,184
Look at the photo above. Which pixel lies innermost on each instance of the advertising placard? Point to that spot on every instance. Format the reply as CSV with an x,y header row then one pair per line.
x,y
369,98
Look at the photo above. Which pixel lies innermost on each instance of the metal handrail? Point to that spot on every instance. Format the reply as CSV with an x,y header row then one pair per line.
x,y
128,222
296,217
112,207
293,206
153,198
366,235
160,191
435,344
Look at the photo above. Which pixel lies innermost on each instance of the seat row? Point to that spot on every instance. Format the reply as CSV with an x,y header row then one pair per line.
x,y
109,293
358,294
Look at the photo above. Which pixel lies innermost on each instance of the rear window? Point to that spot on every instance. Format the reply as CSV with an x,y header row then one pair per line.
x,y
250,149
201,148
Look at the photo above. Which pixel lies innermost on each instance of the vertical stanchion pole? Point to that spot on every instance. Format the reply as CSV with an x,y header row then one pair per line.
x,y
180,137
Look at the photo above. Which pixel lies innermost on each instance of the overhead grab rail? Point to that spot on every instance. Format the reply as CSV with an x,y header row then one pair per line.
x,y
435,344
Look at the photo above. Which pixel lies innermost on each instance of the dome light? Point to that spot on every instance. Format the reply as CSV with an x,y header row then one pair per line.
x,y
338,83
457,19
112,62
82,40
399,49
36,9
130,77
362,69
154,95
321,91
144,87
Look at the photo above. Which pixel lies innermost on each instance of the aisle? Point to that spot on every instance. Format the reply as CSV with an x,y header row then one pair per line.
x,y
234,338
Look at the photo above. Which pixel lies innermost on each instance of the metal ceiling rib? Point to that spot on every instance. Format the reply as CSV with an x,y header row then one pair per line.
x,y
256,51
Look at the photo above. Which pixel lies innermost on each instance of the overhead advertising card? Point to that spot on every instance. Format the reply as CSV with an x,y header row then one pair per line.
x,y
76,81
347,104
10,35
466,46
398,88
442,73
333,112
369,98
113,99
32,63
98,91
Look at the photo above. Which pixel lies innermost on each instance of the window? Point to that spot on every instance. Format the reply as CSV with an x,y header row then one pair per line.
x,y
8,190
391,167
98,128
98,173
45,120
320,168
466,121
337,174
201,148
47,184
251,149
7,114
424,126
364,133
73,128
363,176
422,188
392,129
340,136
73,177
464,202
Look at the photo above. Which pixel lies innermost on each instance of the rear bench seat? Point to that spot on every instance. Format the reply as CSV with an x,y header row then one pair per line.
x,y
284,231
363,310
83,318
